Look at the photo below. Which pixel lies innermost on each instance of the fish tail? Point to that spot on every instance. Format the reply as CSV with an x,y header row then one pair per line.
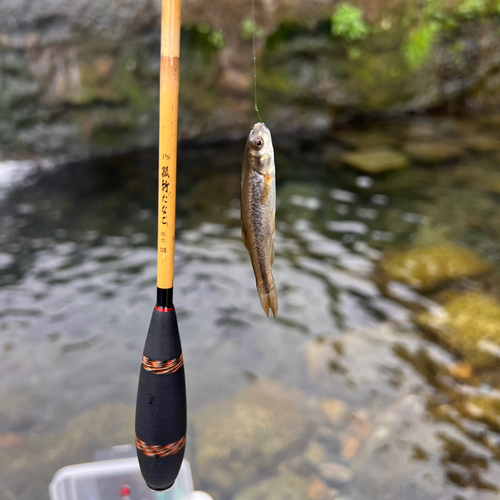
x,y
269,300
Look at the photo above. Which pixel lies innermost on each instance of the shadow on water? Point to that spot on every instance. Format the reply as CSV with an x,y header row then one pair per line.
x,y
77,285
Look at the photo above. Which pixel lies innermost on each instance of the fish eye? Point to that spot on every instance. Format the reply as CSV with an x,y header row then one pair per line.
x,y
258,143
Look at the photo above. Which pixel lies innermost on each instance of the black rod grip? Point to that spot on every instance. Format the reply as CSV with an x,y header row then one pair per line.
x,y
160,420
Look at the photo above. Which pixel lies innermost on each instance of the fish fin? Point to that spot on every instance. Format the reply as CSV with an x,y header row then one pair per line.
x,y
244,237
269,301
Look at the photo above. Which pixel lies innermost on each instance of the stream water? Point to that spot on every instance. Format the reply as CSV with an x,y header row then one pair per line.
x,y
77,287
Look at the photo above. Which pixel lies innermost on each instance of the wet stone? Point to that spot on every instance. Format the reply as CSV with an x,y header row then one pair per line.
x,y
317,490
257,428
486,408
335,473
286,486
364,139
462,371
315,453
470,324
376,161
433,151
334,409
28,468
482,143
424,268
425,130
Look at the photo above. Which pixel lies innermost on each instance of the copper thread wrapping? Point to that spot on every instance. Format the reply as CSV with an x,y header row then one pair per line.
x,y
160,450
162,367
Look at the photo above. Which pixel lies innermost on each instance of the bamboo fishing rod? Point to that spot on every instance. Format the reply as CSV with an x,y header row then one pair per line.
x,y
160,424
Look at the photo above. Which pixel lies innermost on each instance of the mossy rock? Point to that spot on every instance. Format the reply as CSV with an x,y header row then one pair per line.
x,y
434,151
253,430
359,139
482,143
424,268
376,161
486,408
287,486
470,324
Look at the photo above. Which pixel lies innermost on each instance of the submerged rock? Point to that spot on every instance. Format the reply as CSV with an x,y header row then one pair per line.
x,y
334,410
376,161
335,473
470,324
27,469
365,139
255,429
485,407
482,143
434,151
287,486
315,453
424,268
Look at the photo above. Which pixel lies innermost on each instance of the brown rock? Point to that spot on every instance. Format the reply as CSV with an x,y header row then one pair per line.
x,y
11,439
316,490
461,370
334,409
350,447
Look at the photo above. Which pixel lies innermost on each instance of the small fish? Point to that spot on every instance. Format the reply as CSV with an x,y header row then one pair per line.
x,y
258,208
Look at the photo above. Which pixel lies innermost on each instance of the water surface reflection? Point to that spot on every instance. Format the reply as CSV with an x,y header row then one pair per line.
x,y
77,284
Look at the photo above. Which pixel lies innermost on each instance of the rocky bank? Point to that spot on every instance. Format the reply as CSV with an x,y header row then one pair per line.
x,y
82,76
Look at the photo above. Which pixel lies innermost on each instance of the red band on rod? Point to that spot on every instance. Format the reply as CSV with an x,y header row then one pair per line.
x,y
164,309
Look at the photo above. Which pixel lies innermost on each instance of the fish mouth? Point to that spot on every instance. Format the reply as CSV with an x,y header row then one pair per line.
x,y
259,127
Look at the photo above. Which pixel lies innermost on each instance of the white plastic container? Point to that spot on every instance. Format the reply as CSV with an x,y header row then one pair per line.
x,y
118,479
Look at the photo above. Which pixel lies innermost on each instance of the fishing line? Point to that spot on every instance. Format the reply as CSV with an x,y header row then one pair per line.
x,y
254,62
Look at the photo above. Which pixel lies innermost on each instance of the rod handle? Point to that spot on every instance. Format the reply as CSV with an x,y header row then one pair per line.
x,y
160,422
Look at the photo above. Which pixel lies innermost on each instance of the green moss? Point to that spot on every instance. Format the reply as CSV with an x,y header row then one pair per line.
x,y
127,83
286,31
198,90
347,23
374,76
217,38
472,8
247,28
470,324
418,46
203,36
424,268
485,407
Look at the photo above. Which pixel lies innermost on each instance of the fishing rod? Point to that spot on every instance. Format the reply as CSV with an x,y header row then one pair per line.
x,y
160,423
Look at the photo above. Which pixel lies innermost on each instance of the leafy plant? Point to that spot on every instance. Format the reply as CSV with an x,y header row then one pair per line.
x,y
419,44
347,23
472,8
217,38
246,30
